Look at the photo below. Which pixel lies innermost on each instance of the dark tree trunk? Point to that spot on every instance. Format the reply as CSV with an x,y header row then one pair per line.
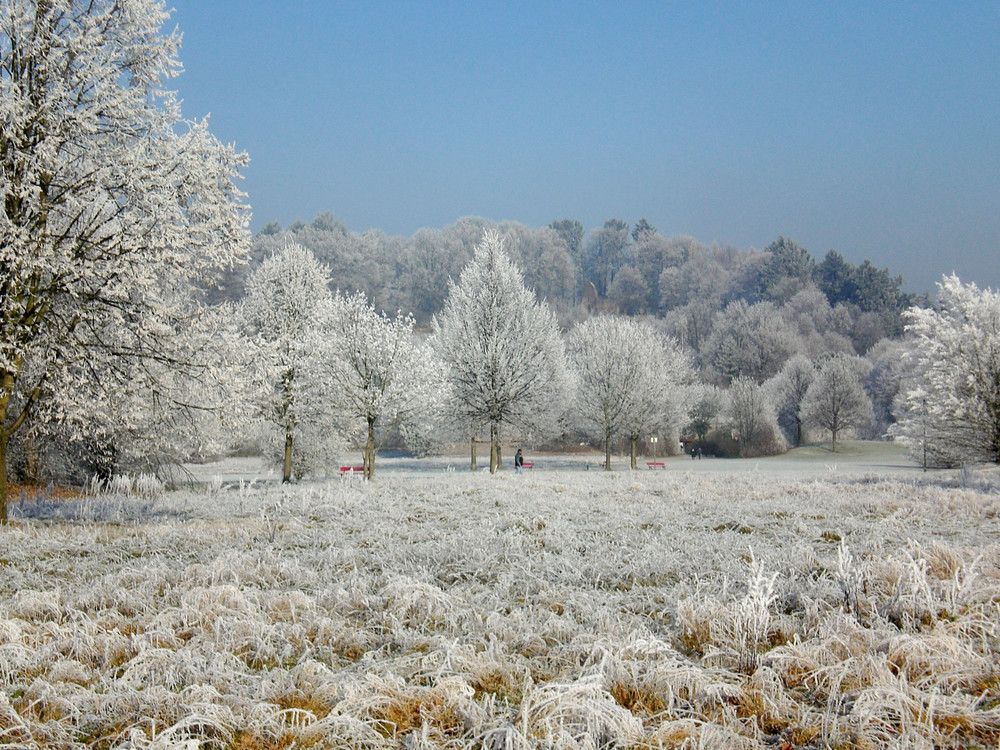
x,y
3,476
286,474
369,461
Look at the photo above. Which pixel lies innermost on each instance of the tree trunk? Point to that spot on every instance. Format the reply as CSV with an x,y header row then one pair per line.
x,y
3,476
4,437
633,440
607,451
286,474
472,442
369,461
833,433
30,458
494,448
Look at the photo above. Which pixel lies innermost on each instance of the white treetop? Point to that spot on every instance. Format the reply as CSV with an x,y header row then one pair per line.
x,y
111,202
505,358
287,299
628,377
383,377
836,399
750,340
949,409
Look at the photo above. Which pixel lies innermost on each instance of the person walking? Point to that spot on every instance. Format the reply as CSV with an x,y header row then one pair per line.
x,y
518,462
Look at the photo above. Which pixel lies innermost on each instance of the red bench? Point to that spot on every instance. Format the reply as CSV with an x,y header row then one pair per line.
x,y
352,470
528,465
655,465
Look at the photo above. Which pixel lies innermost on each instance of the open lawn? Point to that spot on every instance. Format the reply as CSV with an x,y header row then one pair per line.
x,y
825,604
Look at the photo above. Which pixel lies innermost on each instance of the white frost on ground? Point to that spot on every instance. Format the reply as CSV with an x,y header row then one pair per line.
x,y
687,607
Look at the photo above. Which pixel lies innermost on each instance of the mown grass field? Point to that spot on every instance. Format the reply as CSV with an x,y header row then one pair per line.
x,y
680,608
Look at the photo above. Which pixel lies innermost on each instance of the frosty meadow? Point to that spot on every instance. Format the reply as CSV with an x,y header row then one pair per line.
x,y
566,609
799,598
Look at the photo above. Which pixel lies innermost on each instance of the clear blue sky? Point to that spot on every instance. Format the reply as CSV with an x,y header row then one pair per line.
x,y
868,127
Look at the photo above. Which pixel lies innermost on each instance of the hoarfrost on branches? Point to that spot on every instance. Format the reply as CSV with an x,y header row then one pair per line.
x,y
629,379
949,410
836,399
384,378
788,390
111,202
751,415
505,358
287,385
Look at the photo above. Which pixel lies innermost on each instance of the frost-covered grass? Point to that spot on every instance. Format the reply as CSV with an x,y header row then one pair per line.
x,y
554,609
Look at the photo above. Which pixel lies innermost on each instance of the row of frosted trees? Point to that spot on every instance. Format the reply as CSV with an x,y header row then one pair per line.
x,y
322,369
329,369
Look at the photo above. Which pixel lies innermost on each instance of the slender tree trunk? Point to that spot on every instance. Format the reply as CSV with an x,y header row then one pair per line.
x,y
30,457
4,437
607,451
494,448
286,474
833,433
633,440
472,442
3,473
370,451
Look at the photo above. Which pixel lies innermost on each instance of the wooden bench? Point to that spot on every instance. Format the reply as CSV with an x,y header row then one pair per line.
x,y
655,465
352,470
528,465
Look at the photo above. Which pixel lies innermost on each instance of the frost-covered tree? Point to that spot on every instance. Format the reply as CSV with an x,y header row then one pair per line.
x,y
383,377
751,416
750,340
708,402
505,358
605,253
111,202
788,391
286,300
889,368
836,399
950,405
629,379
673,372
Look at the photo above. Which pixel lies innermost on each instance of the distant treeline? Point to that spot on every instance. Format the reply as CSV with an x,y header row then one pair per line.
x,y
630,270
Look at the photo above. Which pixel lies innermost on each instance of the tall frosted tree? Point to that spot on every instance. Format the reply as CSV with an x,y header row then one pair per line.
x,y
949,408
111,202
505,358
286,300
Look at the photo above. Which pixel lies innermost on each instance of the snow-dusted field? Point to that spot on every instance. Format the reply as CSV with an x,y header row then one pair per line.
x,y
740,607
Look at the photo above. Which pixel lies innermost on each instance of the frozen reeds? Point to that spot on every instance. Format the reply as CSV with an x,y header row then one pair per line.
x,y
550,611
